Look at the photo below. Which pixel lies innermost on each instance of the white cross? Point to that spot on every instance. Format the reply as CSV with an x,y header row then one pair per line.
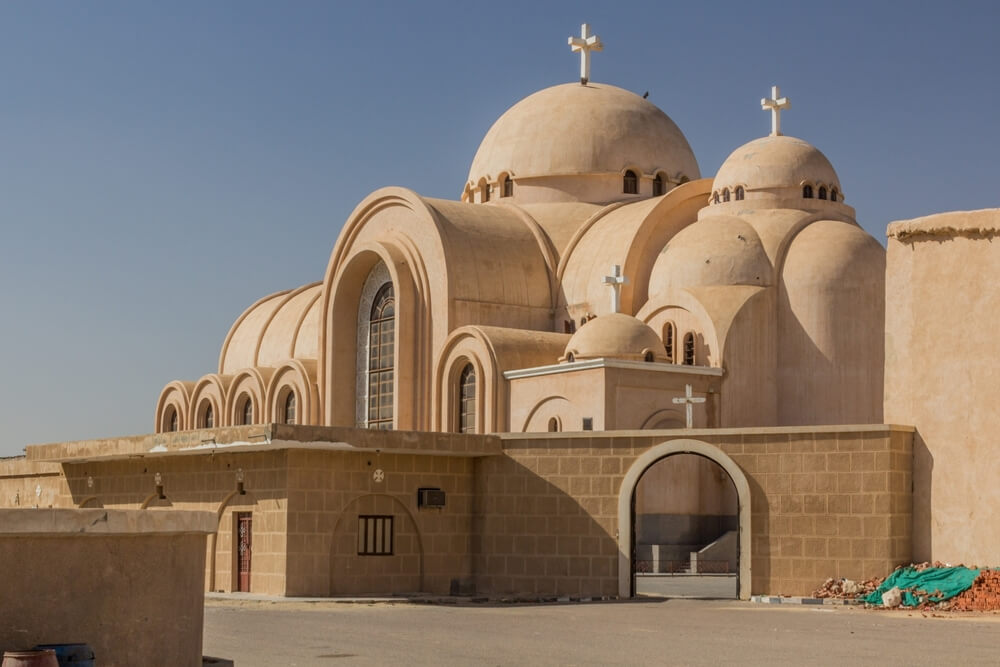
x,y
585,43
688,400
775,105
615,282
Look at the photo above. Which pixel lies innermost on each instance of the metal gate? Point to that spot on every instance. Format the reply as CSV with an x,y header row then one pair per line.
x,y
244,549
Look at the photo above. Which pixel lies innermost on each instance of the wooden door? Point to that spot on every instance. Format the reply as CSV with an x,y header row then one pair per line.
x,y
244,550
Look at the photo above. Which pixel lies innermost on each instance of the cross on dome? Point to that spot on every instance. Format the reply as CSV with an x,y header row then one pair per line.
x,y
775,105
688,400
585,43
615,282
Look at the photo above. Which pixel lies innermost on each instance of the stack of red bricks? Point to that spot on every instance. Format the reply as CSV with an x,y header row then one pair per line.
x,y
983,596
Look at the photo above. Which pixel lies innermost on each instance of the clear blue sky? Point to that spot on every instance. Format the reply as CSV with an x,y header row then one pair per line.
x,y
163,165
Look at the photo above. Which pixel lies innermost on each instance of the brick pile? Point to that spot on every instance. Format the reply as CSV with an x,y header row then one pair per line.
x,y
983,596
846,589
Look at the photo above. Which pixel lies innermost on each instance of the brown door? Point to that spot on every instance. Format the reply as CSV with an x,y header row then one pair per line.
x,y
244,549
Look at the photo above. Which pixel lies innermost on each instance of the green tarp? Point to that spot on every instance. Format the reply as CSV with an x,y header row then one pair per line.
x,y
934,584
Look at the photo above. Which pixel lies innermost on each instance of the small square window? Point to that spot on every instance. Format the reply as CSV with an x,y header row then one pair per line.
x,y
588,423
375,535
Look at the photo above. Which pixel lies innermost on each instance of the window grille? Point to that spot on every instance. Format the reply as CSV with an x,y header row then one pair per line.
x,y
467,400
631,183
689,349
291,405
375,535
381,359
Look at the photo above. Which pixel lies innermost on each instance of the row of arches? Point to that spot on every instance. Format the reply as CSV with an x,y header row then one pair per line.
x,y
738,193
630,182
820,191
688,350
483,191
285,395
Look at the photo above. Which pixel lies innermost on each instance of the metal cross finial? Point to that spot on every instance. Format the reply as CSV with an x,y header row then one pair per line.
x,y
615,282
688,400
775,105
585,43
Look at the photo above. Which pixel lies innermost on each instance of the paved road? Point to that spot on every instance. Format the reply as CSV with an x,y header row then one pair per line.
x,y
661,632
717,586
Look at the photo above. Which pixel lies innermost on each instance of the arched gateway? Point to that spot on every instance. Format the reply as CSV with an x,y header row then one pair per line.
x,y
626,568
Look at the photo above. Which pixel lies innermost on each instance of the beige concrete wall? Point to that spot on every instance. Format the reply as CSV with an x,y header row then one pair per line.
x,y
205,483
824,502
329,490
942,364
134,596
27,484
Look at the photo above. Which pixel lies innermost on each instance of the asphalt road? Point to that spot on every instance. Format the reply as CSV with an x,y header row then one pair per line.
x,y
660,632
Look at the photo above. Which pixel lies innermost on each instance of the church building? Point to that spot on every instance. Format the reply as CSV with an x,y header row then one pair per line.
x,y
594,365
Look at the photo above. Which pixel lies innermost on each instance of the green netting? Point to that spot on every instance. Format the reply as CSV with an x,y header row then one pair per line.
x,y
934,584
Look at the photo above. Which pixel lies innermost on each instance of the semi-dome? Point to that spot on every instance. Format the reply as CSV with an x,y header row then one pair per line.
x,y
716,251
614,336
777,165
574,130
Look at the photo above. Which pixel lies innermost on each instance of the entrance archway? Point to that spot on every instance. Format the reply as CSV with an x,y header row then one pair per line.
x,y
626,517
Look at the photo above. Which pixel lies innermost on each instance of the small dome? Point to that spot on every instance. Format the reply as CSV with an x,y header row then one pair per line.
x,y
720,250
776,164
614,336
576,130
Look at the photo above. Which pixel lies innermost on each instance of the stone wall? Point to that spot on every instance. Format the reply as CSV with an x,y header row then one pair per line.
x,y
825,502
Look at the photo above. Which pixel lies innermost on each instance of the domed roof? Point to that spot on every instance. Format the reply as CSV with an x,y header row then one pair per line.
x,y
281,326
572,129
616,336
720,250
776,162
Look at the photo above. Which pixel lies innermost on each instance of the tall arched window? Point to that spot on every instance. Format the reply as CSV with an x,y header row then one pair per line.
x,y
486,192
833,194
715,197
246,412
507,187
174,420
553,425
381,358
467,400
740,193
668,341
208,416
291,406
807,191
822,192
725,194
689,349
630,183
658,185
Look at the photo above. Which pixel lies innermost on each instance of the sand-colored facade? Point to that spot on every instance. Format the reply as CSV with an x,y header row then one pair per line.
x,y
942,358
525,514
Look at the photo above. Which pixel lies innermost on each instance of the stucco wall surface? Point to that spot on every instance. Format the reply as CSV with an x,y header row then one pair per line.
x,y
942,365
129,584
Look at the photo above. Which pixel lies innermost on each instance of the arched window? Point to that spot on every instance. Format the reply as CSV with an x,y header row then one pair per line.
x,y
507,188
631,183
289,412
467,400
208,416
715,197
658,185
486,192
833,194
246,413
689,349
553,425
174,420
668,341
381,358
822,192
807,191
648,357
725,194
740,194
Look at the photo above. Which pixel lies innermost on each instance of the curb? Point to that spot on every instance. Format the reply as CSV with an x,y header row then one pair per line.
x,y
778,599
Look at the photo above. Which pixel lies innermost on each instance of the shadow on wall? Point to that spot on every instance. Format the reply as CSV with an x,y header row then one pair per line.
x,y
535,538
923,475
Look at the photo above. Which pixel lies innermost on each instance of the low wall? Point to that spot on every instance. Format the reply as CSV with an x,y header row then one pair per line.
x,y
127,582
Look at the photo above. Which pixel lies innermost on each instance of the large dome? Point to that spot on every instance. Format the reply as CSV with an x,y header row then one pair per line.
x,y
578,130
776,164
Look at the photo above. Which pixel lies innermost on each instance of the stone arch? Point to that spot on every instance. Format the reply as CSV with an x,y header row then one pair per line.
x,y
627,491
250,382
176,396
568,415
656,420
221,541
403,572
298,376
211,389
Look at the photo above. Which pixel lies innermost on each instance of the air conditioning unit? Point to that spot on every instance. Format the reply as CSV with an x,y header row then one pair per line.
x,y
429,497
